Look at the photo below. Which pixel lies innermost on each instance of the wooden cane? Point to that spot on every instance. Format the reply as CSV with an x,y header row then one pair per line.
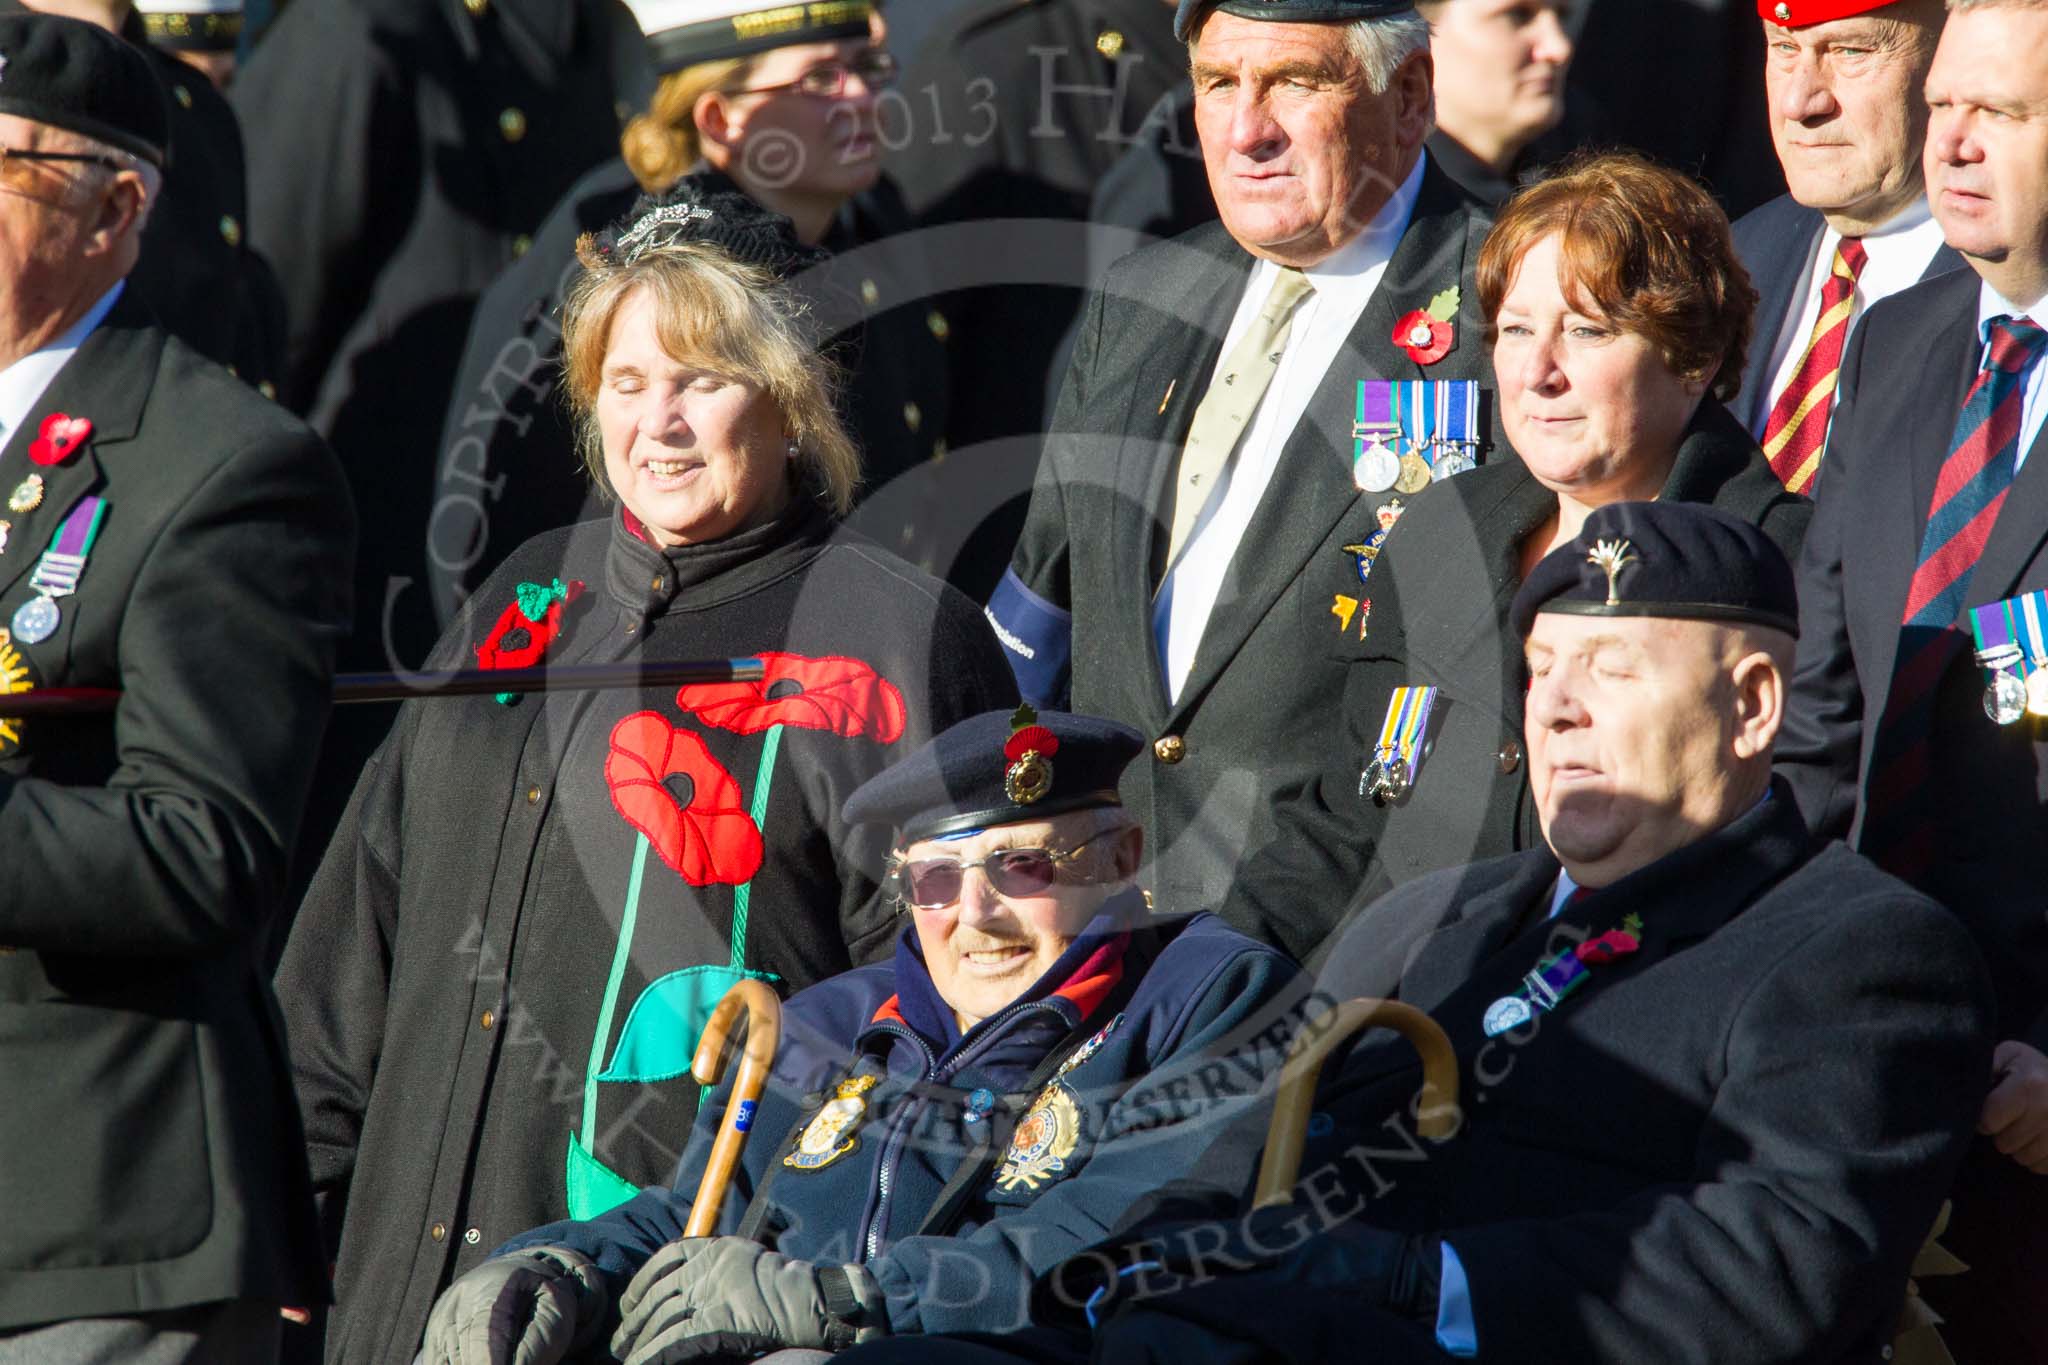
x,y
764,1031
1287,1134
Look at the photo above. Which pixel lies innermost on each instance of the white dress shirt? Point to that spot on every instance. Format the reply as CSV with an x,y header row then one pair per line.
x,y
2033,404
1322,322
23,382
1896,256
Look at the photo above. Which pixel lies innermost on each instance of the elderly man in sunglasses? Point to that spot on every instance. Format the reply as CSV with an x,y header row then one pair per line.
x,y
1043,1053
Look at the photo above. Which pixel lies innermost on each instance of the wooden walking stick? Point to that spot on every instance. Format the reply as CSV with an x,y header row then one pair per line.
x,y
764,1031
1287,1134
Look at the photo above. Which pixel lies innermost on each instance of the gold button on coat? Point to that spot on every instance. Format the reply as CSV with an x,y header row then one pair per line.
x,y
1110,43
488,1022
182,96
1510,757
512,124
1170,749
230,230
533,796
438,1232
937,322
870,293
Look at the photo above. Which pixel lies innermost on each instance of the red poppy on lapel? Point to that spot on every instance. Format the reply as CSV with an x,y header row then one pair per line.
x,y
1426,334
842,695
668,786
59,438
520,639
1606,947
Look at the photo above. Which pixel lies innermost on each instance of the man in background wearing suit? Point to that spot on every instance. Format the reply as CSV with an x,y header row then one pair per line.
x,y
1936,506
168,534
1842,78
1201,461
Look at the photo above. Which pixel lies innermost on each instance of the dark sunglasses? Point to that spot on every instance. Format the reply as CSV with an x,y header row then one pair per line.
x,y
932,883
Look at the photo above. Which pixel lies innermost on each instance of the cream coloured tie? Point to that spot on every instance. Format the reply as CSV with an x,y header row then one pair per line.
x,y
1227,408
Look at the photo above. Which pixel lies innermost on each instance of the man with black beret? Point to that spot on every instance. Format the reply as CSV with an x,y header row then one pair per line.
x,y
176,543
1206,467
940,1130
1714,1076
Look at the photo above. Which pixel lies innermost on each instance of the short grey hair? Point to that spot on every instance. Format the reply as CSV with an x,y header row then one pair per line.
x,y
1382,44
1964,6
124,160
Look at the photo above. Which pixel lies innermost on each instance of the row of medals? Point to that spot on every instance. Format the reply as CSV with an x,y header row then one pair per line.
x,y
2008,696
36,619
1378,469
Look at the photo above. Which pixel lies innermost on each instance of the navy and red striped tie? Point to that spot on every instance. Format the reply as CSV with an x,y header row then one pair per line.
x,y
1967,497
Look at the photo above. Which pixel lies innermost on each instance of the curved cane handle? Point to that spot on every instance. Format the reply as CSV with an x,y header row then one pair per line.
x,y
764,1031
1288,1132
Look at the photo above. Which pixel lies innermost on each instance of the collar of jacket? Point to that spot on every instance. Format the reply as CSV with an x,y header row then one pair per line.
x,y
649,582
1683,896
1076,985
540,34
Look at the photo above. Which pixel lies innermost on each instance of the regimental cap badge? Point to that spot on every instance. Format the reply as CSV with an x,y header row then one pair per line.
x,y
1029,750
1612,556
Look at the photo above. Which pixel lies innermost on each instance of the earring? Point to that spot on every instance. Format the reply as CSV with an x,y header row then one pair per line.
x,y
792,448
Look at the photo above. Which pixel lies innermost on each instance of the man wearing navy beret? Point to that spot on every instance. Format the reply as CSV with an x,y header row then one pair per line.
x,y
940,1130
167,535
1714,1075
1183,566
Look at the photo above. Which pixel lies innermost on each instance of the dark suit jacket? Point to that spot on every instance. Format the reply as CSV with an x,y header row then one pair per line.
x,y
149,1143
1725,1146
1252,717
1437,606
1775,244
1903,380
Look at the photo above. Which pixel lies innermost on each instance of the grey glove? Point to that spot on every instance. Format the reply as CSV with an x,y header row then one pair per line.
x,y
716,1296
531,1307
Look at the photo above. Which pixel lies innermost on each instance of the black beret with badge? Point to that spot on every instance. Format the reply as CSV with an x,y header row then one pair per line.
x,y
1288,11
1677,560
79,77
998,768
683,33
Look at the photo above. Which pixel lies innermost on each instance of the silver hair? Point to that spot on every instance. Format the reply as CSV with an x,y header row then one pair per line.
x,y
1380,46
124,160
1964,6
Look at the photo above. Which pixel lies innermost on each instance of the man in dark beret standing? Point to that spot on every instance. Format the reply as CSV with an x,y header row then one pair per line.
x,y
1208,462
178,546
1712,1075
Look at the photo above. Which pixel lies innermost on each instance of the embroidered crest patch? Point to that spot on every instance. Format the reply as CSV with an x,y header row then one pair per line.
x,y
1045,1138
830,1133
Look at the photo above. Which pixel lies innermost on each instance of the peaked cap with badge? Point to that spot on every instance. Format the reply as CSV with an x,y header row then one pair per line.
x,y
999,768
1681,561
192,25
685,32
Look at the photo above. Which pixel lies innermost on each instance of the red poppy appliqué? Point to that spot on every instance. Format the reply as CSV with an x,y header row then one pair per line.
x,y
1426,334
842,695
668,786
520,639
59,438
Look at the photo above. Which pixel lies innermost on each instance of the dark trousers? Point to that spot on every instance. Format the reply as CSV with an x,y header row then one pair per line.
x,y
237,1332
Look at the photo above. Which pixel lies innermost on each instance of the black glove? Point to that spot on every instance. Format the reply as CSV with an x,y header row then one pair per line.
x,y
1251,1270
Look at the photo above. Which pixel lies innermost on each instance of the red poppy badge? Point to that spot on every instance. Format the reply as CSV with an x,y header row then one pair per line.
x,y
668,786
1426,334
842,695
59,438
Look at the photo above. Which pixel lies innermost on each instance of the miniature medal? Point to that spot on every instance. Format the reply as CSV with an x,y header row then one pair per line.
x,y
1045,1138
1088,1049
1377,470
829,1134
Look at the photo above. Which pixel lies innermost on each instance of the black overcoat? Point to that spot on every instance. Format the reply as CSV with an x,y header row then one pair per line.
x,y
495,980
149,1147
1433,612
1254,717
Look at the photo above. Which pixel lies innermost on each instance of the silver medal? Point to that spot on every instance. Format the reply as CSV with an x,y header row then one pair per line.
x,y
1451,462
36,620
1376,470
2005,700
1508,1012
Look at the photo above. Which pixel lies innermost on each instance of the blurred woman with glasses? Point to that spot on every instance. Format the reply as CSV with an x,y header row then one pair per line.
x,y
1042,1054
795,119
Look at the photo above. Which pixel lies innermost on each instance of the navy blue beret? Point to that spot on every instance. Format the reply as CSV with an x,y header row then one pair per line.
x,y
77,76
1679,560
1288,11
998,768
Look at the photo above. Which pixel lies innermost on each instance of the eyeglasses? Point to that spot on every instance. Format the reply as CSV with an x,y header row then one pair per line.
x,y
932,883
827,81
8,154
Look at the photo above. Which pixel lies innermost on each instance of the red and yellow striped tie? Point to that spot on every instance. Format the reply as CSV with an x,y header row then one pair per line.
x,y
1798,428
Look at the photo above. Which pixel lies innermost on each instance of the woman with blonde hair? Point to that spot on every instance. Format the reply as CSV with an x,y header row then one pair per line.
x,y
533,901
786,106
